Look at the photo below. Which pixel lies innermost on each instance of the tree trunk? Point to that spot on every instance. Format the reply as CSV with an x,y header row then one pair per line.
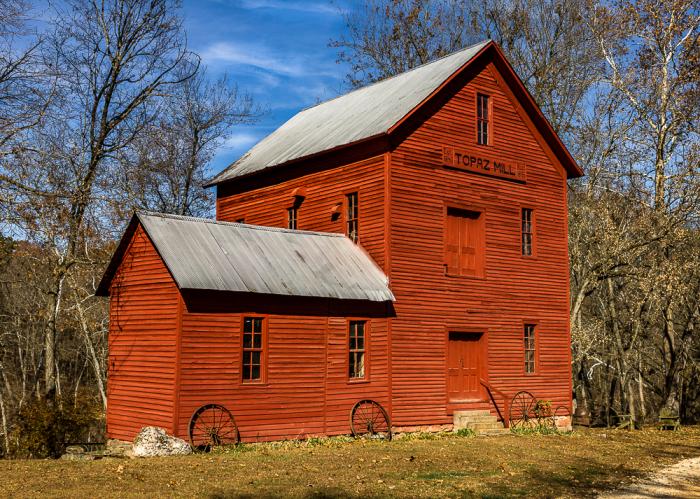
x,y
53,308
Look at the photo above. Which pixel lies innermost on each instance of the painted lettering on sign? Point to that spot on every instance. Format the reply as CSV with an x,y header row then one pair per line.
x,y
480,163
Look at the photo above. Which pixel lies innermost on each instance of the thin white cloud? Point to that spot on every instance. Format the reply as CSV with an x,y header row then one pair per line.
x,y
260,57
240,140
301,6
228,53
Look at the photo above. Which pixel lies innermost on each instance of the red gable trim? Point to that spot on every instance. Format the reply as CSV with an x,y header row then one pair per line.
x,y
522,95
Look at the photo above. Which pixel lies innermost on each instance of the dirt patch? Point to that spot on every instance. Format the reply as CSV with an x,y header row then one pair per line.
x,y
581,464
679,480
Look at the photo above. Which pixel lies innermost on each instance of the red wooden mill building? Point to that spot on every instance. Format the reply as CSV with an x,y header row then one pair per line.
x,y
405,243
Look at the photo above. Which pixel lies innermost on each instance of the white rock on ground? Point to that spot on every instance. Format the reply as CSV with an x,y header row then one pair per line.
x,y
153,441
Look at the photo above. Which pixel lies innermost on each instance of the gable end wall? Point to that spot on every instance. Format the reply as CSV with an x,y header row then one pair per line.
x,y
144,302
515,290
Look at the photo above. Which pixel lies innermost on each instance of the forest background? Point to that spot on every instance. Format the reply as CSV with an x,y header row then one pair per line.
x,y
104,110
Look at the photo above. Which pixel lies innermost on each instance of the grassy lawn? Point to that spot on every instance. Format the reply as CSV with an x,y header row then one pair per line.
x,y
573,465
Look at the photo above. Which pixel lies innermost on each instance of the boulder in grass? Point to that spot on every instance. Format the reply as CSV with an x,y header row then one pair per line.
x,y
153,441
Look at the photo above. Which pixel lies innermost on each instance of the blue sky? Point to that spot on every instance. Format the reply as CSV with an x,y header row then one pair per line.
x,y
276,50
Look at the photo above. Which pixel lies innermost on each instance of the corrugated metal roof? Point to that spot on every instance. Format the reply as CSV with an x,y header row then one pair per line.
x,y
358,115
211,255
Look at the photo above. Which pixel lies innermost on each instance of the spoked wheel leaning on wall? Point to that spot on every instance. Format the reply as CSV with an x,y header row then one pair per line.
x,y
212,425
522,411
368,418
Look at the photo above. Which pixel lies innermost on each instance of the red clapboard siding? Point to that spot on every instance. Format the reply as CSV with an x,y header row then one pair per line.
x,y
142,342
171,353
306,391
515,289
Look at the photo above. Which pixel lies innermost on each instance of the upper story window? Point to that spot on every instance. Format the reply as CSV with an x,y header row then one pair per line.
x,y
292,217
483,119
529,343
357,349
253,345
465,243
351,216
527,231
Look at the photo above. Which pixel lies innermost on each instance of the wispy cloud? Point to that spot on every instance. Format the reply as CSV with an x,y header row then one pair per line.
x,y
260,57
255,56
241,140
301,6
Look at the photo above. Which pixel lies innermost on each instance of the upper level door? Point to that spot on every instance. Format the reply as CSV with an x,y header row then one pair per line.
x,y
464,367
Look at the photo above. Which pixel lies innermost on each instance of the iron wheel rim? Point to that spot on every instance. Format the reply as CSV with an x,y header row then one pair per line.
x,y
368,418
212,425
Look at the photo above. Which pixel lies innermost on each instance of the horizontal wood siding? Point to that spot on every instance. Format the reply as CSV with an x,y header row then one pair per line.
x,y
304,355
515,289
341,393
324,191
142,342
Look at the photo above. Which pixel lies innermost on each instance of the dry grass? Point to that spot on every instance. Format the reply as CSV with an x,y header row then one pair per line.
x,y
574,465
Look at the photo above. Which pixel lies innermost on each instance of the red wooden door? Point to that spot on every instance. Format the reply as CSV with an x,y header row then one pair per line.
x,y
464,367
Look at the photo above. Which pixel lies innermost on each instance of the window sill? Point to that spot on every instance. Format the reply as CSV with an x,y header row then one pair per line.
x,y
259,384
361,381
460,276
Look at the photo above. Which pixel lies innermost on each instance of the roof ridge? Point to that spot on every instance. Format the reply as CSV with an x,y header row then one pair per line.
x,y
266,228
484,42
267,145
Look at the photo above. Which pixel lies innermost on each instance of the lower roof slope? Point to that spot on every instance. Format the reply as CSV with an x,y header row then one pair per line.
x,y
204,254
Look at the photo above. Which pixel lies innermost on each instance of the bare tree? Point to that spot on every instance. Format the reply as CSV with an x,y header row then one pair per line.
x,y
165,169
387,37
111,58
23,94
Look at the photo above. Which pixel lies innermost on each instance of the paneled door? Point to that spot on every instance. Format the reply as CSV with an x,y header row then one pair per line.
x,y
464,367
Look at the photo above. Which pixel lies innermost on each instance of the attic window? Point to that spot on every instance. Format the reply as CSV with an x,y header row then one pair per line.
x,y
482,119
292,217
351,216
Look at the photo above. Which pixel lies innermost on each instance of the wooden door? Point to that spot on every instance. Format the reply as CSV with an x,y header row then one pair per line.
x,y
464,365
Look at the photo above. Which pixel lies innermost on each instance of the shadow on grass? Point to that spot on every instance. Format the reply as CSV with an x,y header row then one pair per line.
x,y
580,478
326,493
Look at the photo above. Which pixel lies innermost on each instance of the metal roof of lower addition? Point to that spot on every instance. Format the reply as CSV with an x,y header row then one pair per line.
x,y
204,254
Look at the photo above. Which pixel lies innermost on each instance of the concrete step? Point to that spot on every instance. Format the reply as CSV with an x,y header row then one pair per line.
x,y
477,412
481,421
484,426
476,419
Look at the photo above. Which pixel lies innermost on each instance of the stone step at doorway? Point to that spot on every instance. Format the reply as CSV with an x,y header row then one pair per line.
x,y
482,422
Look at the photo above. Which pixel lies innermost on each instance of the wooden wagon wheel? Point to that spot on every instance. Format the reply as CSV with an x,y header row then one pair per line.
x,y
212,425
562,412
368,417
522,410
